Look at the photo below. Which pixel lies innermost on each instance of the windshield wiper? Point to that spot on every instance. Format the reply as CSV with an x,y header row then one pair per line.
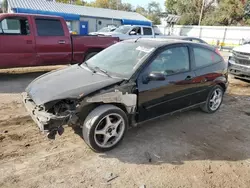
x,y
90,68
103,71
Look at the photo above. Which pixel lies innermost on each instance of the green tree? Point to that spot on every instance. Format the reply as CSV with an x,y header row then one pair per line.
x,y
111,4
141,10
189,10
228,12
4,6
154,8
75,2
127,7
171,6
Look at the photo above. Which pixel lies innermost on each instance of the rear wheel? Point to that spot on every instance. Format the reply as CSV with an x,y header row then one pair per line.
x,y
104,127
214,100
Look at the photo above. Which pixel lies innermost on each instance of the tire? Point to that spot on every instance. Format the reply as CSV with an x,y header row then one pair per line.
x,y
97,130
90,55
208,107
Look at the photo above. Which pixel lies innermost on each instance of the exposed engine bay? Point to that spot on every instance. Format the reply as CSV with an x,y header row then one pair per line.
x,y
52,116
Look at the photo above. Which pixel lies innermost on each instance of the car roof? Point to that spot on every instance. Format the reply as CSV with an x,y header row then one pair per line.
x,y
161,42
183,37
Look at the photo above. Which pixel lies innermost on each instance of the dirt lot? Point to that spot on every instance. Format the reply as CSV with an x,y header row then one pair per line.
x,y
191,149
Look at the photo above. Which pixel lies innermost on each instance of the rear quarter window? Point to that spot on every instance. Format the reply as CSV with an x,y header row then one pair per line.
x,y
49,27
204,57
147,31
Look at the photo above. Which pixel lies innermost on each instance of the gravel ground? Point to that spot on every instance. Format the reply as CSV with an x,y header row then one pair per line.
x,y
190,149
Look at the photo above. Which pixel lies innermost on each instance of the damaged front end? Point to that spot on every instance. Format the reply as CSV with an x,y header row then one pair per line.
x,y
50,117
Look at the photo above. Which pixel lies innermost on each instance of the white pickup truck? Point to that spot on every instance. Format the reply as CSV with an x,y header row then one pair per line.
x,y
125,32
239,61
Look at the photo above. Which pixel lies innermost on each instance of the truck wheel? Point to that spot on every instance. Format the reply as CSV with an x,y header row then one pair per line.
x,y
104,128
90,55
214,100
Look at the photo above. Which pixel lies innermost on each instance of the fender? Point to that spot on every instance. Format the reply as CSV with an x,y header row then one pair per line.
x,y
222,81
128,100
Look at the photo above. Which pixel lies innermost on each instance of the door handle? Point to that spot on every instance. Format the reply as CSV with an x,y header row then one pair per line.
x,y
189,78
61,42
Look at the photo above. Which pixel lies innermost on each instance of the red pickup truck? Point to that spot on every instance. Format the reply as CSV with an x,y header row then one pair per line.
x,y
37,40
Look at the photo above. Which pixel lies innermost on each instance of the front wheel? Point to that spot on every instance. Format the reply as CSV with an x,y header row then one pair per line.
x,y
214,100
104,127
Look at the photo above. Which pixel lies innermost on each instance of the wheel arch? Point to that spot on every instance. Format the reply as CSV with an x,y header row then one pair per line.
x,y
221,81
87,109
92,50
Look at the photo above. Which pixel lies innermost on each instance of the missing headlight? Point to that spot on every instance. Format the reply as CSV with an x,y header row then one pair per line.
x,y
62,108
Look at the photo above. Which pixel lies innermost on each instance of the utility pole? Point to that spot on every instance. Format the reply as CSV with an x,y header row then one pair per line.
x,y
202,7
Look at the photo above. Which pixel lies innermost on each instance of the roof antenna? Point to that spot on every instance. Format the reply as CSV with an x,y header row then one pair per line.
x,y
137,39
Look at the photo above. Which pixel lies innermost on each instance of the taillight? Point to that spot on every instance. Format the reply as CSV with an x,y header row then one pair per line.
x,y
217,51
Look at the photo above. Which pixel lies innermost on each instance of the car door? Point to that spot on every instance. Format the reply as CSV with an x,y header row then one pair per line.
x,y
53,43
175,92
208,66
17,43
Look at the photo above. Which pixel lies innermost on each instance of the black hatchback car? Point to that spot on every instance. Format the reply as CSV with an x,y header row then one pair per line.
x,y
126,84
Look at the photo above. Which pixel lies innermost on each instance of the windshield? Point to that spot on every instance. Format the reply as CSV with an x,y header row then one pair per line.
x,y
121,59
123,29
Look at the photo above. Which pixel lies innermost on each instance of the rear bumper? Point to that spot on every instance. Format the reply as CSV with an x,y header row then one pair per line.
x,y
44,120
240,71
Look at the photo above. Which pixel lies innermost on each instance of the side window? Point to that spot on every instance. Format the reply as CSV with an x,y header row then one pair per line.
x,y
147,31
204,57
49,27
14,26
137,30
171,61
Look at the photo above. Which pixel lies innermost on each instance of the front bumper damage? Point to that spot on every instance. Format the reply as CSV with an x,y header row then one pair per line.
x,y
46,122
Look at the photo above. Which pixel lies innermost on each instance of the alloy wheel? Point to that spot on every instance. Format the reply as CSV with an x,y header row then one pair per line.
x,y
109,130
216,99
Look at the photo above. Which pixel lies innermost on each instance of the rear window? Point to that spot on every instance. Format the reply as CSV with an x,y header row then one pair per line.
x,y
147,31
204,57
49,27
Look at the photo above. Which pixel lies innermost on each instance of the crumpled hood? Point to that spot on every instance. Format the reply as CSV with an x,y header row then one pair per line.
x,y
69,82
244,48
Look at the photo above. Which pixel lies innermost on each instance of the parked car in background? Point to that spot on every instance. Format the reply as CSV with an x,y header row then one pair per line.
x,y
36,40
239,61
127,84
125,32
103,31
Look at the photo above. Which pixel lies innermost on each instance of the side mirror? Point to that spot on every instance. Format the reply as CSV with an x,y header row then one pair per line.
x,y
154,76
132,33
